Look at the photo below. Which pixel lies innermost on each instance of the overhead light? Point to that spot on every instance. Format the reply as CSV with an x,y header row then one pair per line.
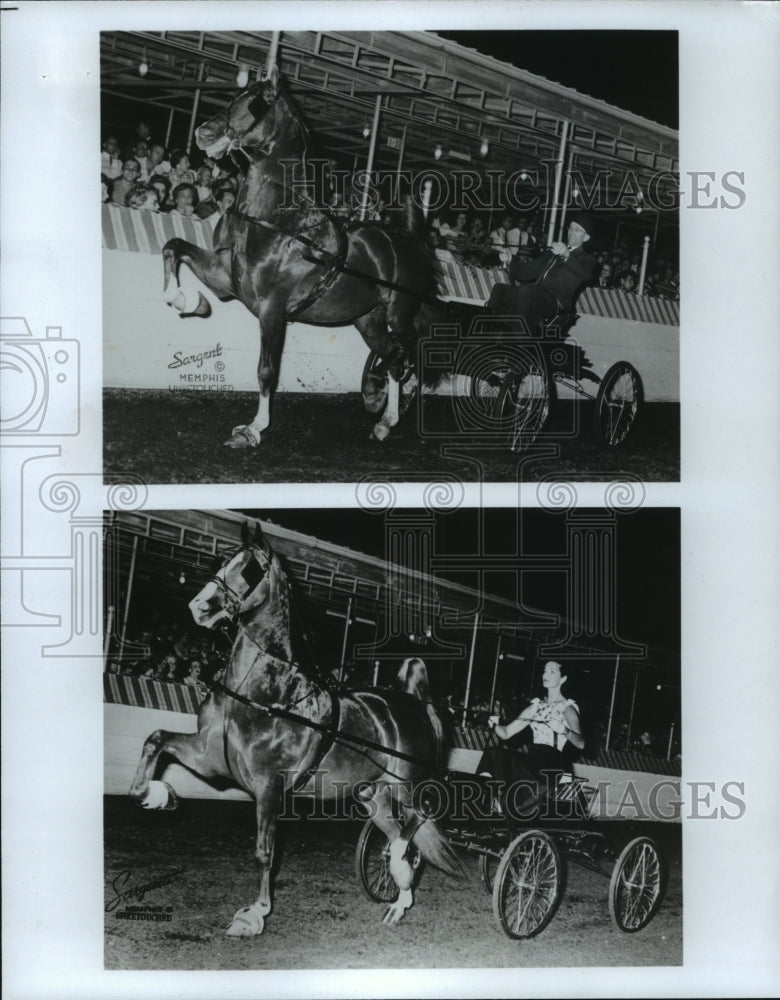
x,y
242,77
484,149
437,151
366,131
182,578
143,66
524,176
576,193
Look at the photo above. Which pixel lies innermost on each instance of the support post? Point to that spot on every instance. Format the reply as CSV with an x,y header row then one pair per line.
x,y
495,673
566,191
557,191
371,151
130,578
643,269
194,114
612,703
471,665
347,623
270,61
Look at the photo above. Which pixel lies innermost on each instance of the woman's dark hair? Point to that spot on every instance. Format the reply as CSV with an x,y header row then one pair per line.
x,y
177,155
184,187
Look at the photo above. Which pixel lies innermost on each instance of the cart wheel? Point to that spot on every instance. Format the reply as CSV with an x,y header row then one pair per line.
x,y
527,886
488,866
525,402
635,886
486,391
374,387
372,864
618,403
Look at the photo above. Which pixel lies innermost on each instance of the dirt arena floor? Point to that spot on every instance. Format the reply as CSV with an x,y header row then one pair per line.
x,y
201,859
177,437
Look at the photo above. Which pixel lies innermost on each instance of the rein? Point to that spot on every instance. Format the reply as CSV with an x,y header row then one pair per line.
x,y
338,735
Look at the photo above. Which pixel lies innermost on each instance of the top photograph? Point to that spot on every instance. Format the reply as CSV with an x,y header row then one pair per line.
x,y
332,256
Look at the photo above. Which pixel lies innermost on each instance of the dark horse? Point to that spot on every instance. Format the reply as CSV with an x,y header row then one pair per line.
x,y
271,727
285,257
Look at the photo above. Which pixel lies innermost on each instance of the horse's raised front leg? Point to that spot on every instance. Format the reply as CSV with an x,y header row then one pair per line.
x,y
193,750
250,920
272,327
208,267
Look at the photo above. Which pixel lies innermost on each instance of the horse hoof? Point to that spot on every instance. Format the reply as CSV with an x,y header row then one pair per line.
x,y
243,437
201,307
173,799
246,923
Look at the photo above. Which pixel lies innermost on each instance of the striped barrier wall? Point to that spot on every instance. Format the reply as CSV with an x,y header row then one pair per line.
x,y
142,692
140,231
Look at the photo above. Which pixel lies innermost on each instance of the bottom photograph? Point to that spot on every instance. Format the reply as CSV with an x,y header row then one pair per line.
x,y
392,738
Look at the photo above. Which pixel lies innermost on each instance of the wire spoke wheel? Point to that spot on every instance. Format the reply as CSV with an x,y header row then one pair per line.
x,y
372,864
488,866
635,886
527,885
618,403
486,391
525,402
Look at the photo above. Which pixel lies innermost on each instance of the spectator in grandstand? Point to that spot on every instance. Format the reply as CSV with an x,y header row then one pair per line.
x,y
110,163
123,185
203,183
222,200
184,199
144,196
627,281
604,279
193,678
521,240
454,233
141,154
160,185
180,169
500,238
550,283
478,248
158,165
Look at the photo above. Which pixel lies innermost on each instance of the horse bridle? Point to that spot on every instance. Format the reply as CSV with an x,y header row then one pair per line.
x,y
233,599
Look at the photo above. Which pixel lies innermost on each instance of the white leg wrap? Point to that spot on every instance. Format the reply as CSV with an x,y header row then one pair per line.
x,y
157,796
171,291
400,868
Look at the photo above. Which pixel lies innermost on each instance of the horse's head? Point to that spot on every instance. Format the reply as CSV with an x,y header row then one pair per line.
x,y
250,122
240,584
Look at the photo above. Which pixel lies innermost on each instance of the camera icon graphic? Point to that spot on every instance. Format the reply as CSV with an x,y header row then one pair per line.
x,y
496,373
40,381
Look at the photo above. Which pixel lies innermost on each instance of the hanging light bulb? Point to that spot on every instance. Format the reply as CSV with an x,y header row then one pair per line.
x,y
484,148
366,131
143,66
524,176
437,151
182,578
576,193
242,77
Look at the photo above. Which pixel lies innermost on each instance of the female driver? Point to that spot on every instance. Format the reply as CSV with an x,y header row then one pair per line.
x,y
554,722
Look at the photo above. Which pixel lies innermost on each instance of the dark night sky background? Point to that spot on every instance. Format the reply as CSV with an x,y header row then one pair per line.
x,y
633,70
648,557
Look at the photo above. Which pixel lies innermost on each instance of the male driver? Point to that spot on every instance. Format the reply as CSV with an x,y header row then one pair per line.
x,y
550,283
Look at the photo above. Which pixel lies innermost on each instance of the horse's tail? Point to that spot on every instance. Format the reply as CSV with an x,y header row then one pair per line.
x,y
428,836
413,678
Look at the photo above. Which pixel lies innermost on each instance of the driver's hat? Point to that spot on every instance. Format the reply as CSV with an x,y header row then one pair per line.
x,y
586,220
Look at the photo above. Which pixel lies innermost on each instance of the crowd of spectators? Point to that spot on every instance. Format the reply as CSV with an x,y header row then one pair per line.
x,y
145,175
176,656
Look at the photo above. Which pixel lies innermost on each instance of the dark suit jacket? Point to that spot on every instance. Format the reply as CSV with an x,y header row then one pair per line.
x,y
565,278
